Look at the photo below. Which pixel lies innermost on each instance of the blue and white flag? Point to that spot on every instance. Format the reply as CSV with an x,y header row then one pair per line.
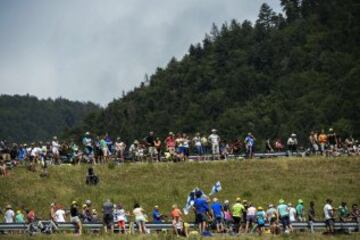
x,y
191,199
216,188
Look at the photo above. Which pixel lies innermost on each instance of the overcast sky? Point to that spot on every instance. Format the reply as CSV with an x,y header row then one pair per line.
x,y
92,50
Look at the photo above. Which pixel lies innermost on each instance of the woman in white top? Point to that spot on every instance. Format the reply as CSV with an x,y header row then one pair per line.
x,y
139,217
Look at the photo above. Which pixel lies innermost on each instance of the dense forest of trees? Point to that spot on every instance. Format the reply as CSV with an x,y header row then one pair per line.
x,y
291,72
26,118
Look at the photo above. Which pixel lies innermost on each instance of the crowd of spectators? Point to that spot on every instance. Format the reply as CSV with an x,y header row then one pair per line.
x,y
241,217
174,147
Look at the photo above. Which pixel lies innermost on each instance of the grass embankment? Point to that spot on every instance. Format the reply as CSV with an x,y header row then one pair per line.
x,y
260,181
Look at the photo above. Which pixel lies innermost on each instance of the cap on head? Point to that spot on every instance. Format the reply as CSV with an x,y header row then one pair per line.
x,y
238,199
300,201
213,130
74,203
156,206
331,129
88,202
271,205
87,133
226,201
55,137
293,135
281,201
8,206
260,208
174,206
215,199
94,211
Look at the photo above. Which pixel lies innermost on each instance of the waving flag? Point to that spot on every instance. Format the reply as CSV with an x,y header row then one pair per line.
x,y
216,188
191,199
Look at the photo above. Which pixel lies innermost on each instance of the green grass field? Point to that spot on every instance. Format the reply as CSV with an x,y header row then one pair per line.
x,y
259,181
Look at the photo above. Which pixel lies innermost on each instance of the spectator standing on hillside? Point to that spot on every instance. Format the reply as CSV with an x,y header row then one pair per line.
x,y
332,140
355,214
260,220
300,210
108,215
55,147
250,216
75,217
329,213
292,143
170,143
89,150
205,145
250,145
218,215
21,155
150,143
271,216
156,215
120,217
186,146
59,214
104,150
201,212
176,216
214,139
158,145
313,140
292,213
343,212
283,215
268,146
237,210
19,218
139,218
198,146
120,147
9,214
109,143
311,216
322,141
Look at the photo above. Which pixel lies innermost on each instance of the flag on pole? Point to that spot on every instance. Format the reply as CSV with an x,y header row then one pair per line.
x,y
216,188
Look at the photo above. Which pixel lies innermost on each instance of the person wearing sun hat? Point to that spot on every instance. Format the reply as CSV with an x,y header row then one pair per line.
x,y
9,214
300,211
260,220
283,215
237,210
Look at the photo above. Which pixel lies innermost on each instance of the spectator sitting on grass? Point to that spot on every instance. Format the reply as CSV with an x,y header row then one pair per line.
x,y
91,178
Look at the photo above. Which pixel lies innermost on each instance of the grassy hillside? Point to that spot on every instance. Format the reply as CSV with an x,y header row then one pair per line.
x,y
261,181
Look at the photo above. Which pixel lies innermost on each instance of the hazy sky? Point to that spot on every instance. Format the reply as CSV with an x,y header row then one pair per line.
x,y
94,49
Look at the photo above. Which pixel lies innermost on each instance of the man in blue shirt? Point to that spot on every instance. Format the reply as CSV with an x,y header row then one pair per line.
x,y
201,211
156,214
217,214
250,145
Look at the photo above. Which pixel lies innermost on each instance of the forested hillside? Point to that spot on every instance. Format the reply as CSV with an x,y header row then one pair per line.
x,y
26,118
289,72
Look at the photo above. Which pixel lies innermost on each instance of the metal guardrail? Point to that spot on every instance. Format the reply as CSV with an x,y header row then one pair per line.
x,y
349,226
